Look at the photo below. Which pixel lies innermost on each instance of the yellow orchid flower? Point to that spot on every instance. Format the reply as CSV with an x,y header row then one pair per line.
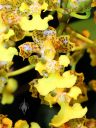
x,y
67,113
40,67
52,66
34,125
74,92
48,53
45,85
6,36
64,60
62,96
21,124
6,55
9,34
23,7
36,22
11,85
50,99
47,50
7,98
7,121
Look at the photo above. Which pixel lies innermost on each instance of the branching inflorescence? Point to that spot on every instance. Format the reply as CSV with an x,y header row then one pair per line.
x,y
49,53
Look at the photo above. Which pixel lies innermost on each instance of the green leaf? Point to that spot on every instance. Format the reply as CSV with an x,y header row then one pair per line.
x,y
87,24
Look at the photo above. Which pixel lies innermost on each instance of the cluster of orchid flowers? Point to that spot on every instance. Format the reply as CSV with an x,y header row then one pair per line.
x,y
56,83
7,123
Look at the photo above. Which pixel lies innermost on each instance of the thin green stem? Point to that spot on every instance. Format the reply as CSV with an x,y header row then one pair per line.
x,y
78,35
73,67
20,71
74,14
84,38
76,56
60,28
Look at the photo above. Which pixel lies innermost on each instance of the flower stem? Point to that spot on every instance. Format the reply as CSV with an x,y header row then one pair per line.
x,y
73,67
20,71
60,28
84,38
88,41
73,14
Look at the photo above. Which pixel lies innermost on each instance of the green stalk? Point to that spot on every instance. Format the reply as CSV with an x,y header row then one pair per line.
x,y
84,38
60,28
73,67
74,14
20,71
88,41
